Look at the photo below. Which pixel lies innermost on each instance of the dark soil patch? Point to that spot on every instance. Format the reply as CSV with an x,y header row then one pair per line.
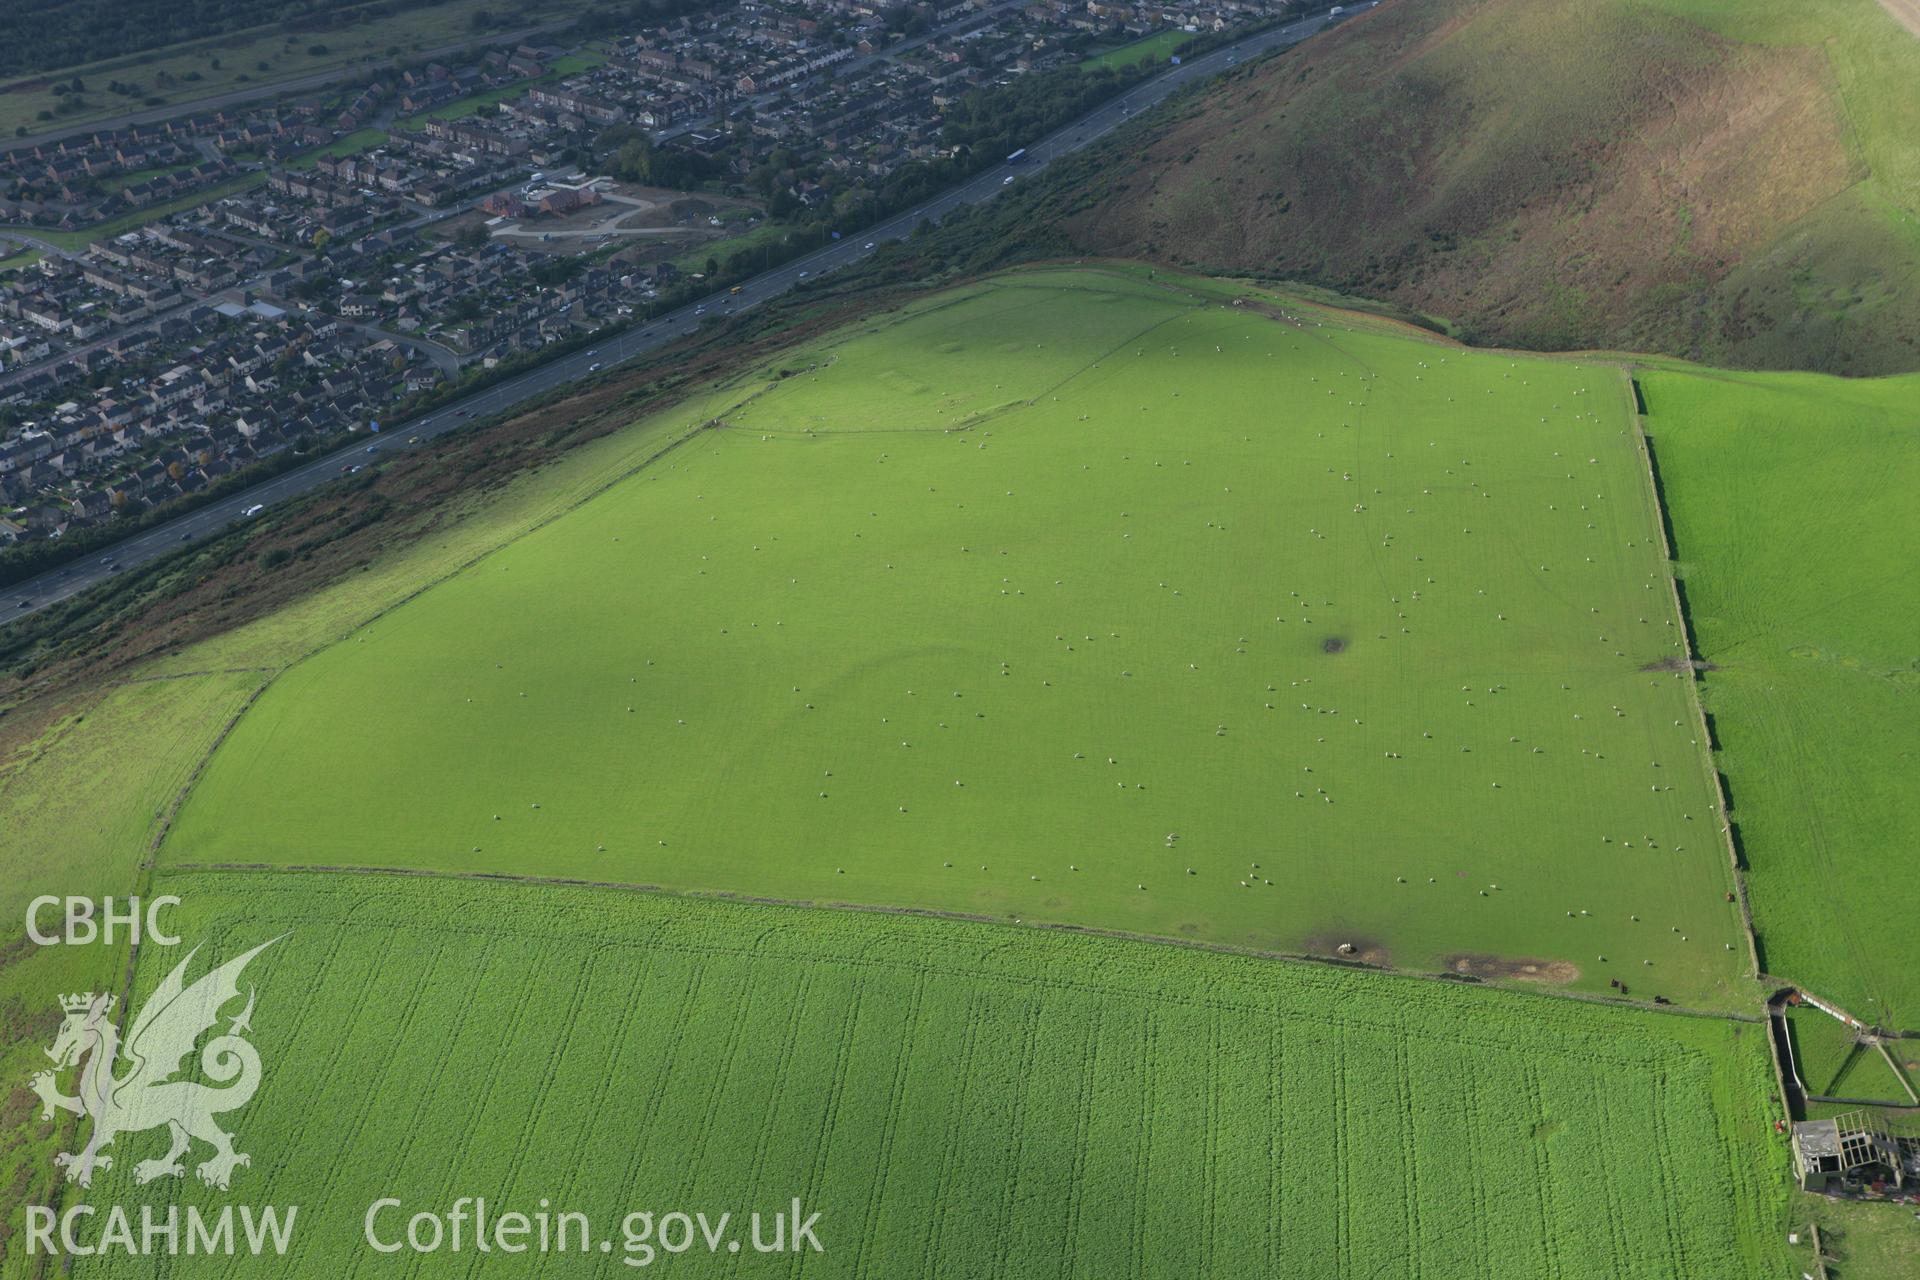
x,y
1678,663
1500,968
1334,644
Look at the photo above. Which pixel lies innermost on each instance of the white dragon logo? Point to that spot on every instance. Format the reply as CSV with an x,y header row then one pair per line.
x,y
162,1036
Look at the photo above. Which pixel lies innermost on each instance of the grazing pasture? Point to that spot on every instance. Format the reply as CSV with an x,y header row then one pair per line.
x,y
1792,499
1071,597
1862,1240
952,1098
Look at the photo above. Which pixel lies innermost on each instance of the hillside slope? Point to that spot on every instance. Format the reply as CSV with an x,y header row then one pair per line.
x,y
1739,183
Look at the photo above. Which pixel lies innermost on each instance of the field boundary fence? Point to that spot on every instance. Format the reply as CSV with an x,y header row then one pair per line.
x,y
969,917
1690,644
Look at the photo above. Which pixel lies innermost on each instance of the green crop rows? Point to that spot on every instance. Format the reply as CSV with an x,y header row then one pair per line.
x,y
953,1098
1071,597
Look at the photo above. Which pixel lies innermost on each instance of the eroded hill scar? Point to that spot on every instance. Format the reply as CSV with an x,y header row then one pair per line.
x,y
1905,12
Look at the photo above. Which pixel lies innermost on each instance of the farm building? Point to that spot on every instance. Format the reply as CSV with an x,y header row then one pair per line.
x,y
1854,1152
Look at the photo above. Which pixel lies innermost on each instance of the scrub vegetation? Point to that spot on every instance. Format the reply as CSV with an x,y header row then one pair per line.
x,y
1733,181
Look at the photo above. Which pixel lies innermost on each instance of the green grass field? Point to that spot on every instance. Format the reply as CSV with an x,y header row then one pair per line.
x,y
1825,1050
766,235
352,144
1791,498
1157,47
977,609
952,1098
1863,1241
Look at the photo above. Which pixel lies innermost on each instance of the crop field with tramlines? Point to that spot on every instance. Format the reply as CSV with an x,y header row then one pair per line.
x,y
950,1097
1073,596
1794,520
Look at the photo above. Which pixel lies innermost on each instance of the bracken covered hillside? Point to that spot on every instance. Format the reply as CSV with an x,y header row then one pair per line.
x,y
1737,182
